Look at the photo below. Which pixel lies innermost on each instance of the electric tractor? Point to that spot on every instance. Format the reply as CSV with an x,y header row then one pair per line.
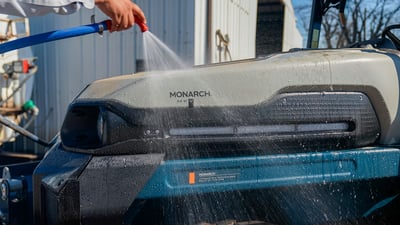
x,y
309,136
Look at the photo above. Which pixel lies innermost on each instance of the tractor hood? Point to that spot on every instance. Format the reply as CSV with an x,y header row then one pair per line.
x,y
307,100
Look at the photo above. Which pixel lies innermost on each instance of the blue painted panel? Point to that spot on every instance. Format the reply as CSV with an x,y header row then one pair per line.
x,y
242,173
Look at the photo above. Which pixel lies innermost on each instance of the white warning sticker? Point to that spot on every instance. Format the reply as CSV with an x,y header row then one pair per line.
x,y
218,176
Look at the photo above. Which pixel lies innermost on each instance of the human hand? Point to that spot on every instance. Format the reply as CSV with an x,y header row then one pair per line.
x,y
121,12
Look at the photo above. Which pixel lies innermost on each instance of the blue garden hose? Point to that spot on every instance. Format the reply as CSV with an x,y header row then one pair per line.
x,y
55,35
43,38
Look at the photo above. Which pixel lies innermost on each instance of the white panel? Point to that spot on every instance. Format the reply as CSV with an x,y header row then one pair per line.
x,y
236,19
291,35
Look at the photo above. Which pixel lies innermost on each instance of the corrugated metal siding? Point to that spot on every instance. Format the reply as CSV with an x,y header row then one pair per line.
x,y
200,40
237,19
67,66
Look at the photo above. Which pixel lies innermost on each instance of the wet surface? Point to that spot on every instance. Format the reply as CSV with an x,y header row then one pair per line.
x,y
322,204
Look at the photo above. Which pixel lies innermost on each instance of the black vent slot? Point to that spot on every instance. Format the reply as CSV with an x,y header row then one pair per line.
x,y
289,122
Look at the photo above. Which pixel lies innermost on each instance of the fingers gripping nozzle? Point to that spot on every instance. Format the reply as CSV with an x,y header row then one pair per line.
x,y
143,26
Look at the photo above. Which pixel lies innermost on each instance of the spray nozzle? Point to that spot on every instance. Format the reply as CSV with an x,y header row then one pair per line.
x,y
143,26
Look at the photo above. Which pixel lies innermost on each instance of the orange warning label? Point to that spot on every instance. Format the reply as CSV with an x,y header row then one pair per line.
x,y
192,179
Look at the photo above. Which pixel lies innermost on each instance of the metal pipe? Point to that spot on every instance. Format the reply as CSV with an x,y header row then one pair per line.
x,y
6,122
223,40
209,33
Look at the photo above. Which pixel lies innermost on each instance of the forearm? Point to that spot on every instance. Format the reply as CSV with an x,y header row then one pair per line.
x,y
122,13
26,8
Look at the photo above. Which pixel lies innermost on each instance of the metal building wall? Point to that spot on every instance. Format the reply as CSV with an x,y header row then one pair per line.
x,y
67,66
236,19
